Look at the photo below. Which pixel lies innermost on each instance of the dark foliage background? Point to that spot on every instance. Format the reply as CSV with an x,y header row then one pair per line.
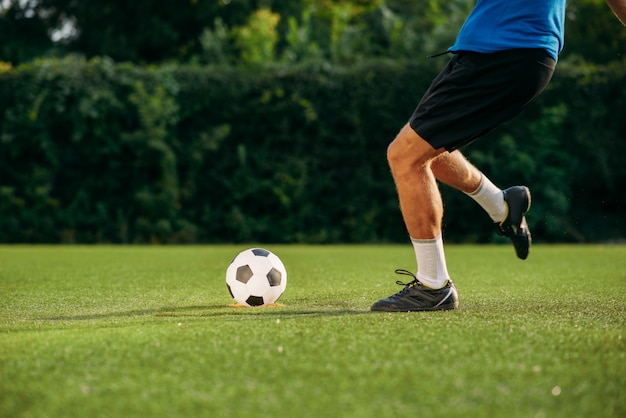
x,y
96,151
263,120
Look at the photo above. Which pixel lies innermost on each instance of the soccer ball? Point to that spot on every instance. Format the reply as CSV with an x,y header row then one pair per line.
x,y
256,277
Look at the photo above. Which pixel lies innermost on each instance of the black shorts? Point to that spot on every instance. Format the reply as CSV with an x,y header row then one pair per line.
x,y
477,92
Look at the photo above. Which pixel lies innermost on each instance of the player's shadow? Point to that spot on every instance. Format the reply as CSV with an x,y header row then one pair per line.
x,y
239,312
216,310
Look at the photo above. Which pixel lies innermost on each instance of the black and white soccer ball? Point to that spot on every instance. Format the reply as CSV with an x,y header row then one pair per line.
x,y
256,277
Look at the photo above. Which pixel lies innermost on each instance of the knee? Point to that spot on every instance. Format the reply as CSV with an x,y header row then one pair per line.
x,y
395,152
410,151
404,152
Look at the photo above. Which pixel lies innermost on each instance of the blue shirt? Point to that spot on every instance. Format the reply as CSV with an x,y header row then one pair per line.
x,y
497,25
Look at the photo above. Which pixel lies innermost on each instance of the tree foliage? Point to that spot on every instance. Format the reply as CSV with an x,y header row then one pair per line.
x,y
267,120
96,151
219,31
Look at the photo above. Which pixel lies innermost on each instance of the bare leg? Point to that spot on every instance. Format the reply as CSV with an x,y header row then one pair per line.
x,y
453,169
410,160
416,166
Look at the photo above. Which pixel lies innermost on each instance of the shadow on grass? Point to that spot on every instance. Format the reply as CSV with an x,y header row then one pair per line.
x,y
239,312
226,311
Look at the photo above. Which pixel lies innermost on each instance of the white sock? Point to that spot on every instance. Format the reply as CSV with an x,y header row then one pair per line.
x,y
490,198
431,262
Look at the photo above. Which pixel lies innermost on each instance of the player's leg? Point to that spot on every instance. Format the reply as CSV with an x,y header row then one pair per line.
x,y
410,159
453,169
498,86
456,171
505,207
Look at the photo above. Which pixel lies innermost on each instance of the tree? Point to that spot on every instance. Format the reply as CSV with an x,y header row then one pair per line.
x,y
137,31
140,31
23,34
214,31
593,33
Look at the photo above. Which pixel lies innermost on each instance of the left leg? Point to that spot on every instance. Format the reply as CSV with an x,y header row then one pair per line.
x,y
456,171
505,207
453,169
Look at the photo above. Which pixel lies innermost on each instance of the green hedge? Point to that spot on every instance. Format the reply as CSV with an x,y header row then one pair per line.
x,y
100,152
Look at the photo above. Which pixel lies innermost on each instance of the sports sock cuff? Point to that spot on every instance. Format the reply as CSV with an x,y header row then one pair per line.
x,y
490,198
425,241
480,186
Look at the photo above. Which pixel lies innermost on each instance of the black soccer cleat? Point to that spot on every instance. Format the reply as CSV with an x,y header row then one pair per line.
x,y
514,226
415,297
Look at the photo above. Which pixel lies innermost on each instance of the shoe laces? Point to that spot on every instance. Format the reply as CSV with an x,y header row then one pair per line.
x,y
410,284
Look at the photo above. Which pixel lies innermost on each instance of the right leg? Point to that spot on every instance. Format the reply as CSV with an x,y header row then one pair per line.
x,y
410,159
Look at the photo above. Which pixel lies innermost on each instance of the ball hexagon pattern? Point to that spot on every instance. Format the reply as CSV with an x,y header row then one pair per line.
x,y
256,277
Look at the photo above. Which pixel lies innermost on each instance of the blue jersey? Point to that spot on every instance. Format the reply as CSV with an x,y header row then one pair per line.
x,y
498,25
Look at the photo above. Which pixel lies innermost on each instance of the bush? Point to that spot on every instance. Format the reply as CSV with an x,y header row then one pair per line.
x,y
94,151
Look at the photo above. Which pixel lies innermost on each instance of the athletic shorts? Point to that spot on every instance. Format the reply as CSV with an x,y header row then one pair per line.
x,y
477,92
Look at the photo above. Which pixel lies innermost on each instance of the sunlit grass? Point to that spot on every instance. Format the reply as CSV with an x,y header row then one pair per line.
x,y
152,331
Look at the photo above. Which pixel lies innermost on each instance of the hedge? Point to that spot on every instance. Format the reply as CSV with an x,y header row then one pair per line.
x,y
103,152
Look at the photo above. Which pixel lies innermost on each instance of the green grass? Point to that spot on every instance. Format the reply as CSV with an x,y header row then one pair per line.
x,y
148,331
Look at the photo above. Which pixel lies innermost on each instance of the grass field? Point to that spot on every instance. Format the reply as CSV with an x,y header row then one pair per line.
x,y
148,332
